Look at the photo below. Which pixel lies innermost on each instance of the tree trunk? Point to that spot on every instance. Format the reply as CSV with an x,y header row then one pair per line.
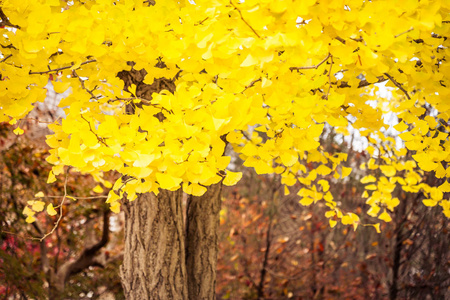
x,y
154,255
202,243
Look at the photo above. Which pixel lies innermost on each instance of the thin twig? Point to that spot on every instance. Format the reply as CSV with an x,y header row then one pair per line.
x,y
62,68
201,22
243,20
397,84
100,139
362,83
329,79
411,29
8,56
311,67
60,209
76,198
125,182
340,39
83,86
251,84
5,21
360,39
145,101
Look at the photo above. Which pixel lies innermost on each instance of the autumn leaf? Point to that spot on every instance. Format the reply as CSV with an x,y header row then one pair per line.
x,y
51,210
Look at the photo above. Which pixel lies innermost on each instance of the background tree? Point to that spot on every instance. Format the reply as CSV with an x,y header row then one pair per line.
x,y
197,78
59,266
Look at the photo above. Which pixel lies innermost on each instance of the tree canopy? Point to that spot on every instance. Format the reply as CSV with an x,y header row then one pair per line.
x,y
266,78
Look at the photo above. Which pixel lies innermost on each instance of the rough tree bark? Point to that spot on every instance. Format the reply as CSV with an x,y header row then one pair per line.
x,y
154,255
161,259
202,223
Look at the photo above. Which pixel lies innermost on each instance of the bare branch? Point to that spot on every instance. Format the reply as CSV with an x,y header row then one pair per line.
x,y
243,20
362,83
62,68
311,67
329,78
397,84
251,84
83,86
145,101
411,29
6,57
60,209
340,39
99,139
5,21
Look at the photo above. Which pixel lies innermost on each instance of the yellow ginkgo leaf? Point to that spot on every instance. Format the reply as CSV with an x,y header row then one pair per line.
x,y
306,201
18,131
350,219
51,177
289,159
39,195
325,185
346,171
97,189
368,178
194,189
374,210
115,207
330,213
112,197
38,206
430,202
389,171
28,212
332,223
249,61
445,187
51,210
401,126
377,227
385,217
232,178
167,181
30,219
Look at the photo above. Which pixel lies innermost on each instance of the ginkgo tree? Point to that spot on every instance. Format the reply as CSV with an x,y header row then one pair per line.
x,y
159,90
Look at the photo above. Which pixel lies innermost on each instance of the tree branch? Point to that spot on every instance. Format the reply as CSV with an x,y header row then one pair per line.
x,y
86,258
5,21
311,67
397,84
43,249
62,68
83,86
60,210
6,57
243,20
329,78
397,35
362,83
99,139
251,84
